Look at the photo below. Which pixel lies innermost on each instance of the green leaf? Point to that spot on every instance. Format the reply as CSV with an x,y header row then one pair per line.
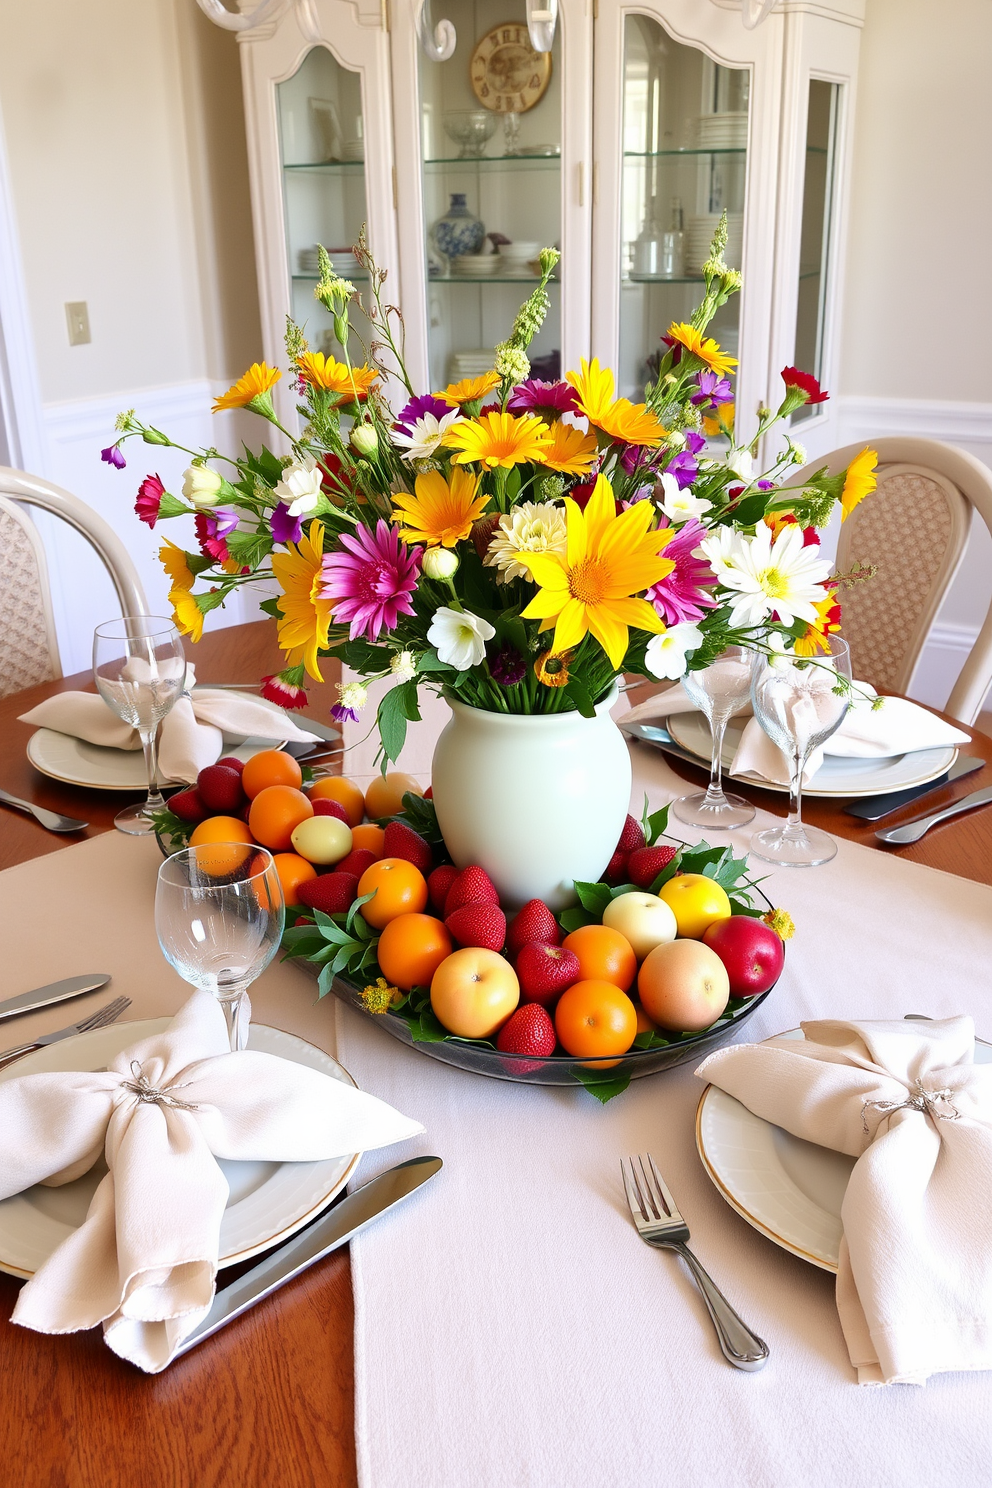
x,y
655,825
324,981
397,708
594,897
574,918
603,1090
427,1030
210,599
249,548
669,871
350,920
271,607
576,689
171,506
429,661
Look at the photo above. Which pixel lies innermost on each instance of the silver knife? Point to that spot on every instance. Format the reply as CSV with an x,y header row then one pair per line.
x,y
873,808
314,1243
914,830
29,1002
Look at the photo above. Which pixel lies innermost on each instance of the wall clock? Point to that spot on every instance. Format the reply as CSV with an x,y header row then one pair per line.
x,y
507,75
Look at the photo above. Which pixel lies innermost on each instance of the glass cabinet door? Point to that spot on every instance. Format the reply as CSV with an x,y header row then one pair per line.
x,y
814,244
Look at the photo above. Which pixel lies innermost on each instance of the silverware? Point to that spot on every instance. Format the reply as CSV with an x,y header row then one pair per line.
x,y
28,1002
649,733
53,820
914,830
873,808
659,1223
100,1019
314,1243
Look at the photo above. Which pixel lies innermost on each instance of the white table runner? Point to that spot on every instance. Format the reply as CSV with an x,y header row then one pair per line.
x,y
511,1328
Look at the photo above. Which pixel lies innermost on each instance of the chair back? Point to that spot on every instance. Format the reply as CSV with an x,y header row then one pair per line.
x,y
29,651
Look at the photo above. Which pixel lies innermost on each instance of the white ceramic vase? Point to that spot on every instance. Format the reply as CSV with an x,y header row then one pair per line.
x,y
538,800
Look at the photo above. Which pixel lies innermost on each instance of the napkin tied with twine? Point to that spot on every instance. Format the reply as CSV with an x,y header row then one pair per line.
x,y
914,1287
144,1261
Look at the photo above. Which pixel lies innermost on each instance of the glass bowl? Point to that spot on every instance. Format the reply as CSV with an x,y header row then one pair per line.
x,y
470,129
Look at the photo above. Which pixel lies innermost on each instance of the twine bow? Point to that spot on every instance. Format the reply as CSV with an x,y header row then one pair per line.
x,y
143,1090
927,1101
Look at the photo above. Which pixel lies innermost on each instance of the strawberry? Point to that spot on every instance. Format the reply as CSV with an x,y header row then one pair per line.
x,y
188,805
544,971
534,922
402,841
528,1031
438,884
647,862
220,789
429,793
330,808
356,862
231,762
332,892
472,886
616,868
477,925
631,837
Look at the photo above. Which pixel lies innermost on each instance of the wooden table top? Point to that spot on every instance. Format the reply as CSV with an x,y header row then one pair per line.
x,y
280,1403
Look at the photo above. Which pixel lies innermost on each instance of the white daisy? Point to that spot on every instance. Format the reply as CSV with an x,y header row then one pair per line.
x,y
741,463
300,487
781,576
666,653
531,527
459,637
681,506
426,434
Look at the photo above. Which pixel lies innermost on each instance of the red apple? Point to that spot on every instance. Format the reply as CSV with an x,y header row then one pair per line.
x,y
750,950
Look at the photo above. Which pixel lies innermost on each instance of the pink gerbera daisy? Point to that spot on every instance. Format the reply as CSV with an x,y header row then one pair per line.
x,y
278,689
150,494
371,581
682,594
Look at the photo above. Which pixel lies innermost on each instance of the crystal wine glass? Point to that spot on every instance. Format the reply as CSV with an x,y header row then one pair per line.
x,y
139,667
720,690
219,914
799,702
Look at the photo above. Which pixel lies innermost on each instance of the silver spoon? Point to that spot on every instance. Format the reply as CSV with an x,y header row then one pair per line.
x,y
50,819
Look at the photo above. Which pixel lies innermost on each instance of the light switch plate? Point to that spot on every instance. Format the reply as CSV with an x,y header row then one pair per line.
x,y
78,320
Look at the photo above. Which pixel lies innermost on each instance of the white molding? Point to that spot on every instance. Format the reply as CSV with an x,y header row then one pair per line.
x,y
926,418
20,389
81,418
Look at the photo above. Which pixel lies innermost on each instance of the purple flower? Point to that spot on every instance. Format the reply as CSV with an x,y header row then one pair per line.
x,y
681,595
712,389
113,456
507,666
417,407
685,466
285,529
371,581
550,398
212,528
766,485
149,499
341,714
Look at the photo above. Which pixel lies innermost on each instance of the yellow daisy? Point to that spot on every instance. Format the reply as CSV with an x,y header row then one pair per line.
x,y
827,622
859,482
306,614
186,614
590,587
499,439
334,377
570,451
617,417
715,423
595,388
256,383
703,347
470,389
551,669
440,512
173,560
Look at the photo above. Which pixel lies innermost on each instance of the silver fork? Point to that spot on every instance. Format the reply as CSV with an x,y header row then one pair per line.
x,y
109,1013
54,821
658,1221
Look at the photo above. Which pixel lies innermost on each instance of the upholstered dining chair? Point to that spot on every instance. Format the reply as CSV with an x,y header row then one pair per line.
x,y
914,528
29,650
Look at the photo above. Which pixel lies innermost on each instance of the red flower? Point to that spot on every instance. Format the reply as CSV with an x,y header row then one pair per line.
x,y
793,378
150,494
286,694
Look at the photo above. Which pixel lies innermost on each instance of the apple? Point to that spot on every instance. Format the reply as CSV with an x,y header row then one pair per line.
x,y
644,919
683,986
473,992
322,839
751,951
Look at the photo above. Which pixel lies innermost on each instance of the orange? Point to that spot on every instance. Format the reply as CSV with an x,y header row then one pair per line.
x,y
399,889
644,1023
264,881
696,902
225,831
604,955
274,813
384,796
270,767
595,1018
411,948
337,788
292,870
369,835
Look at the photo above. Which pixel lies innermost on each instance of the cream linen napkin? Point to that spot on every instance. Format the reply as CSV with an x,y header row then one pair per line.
x,y
192,732
144,1261
914,1289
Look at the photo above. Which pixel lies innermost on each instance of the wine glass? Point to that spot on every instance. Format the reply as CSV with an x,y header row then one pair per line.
x,y
799,702
720,690
139,667
219,915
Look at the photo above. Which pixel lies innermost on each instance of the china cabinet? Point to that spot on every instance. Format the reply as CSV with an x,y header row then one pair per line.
x,y
620,137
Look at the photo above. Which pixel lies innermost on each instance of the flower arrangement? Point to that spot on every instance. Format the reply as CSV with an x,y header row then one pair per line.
x,y
513,543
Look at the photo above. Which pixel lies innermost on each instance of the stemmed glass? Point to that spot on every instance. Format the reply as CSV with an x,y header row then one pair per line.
x,y
139,667
219,914
719,690
800,702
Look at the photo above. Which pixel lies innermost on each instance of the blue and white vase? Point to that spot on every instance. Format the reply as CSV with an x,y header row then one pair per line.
x,y
458,232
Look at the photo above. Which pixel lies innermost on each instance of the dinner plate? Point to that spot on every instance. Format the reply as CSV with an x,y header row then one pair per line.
x,y
837,776
268,1201
789,1190
74,761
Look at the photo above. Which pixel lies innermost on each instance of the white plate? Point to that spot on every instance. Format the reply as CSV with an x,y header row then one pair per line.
x,y
788,1189
64,757
837,776
267,1203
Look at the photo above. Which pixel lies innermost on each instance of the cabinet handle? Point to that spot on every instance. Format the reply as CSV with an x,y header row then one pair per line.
x,y
581,169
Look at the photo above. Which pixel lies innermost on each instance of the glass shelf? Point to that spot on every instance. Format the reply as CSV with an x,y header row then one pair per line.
x,y
445,164
489,279
633,281
314,278
330,167
681,154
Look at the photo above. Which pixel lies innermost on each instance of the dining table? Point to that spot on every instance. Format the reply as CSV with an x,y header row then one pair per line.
x,y
271,1399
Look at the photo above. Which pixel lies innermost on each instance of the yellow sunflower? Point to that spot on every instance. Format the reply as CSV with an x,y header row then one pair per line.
x,y
255,384
590,587
859,482
470,389
570,451
499,439
551,668
186,614
595,388
827,622
335,377
305,613
173,560
703,347
440,512
617,417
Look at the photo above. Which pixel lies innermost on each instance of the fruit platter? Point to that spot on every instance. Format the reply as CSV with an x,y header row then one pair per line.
x,y
654,965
